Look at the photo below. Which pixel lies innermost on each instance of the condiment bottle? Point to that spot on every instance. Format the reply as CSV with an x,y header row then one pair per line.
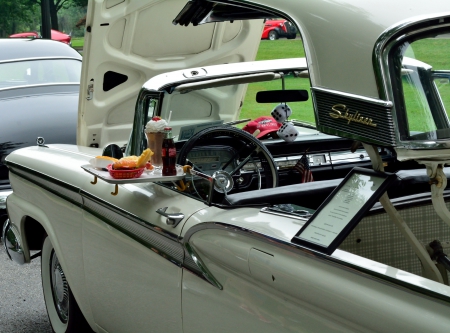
x,y
169,154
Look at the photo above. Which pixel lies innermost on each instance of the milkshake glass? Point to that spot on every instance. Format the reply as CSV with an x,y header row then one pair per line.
x,y
155,141
154,130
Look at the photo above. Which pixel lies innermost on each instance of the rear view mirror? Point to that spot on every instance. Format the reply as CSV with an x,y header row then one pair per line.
x,y
282,96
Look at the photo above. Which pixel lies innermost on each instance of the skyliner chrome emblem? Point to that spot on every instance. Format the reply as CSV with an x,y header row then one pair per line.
x,y
341,111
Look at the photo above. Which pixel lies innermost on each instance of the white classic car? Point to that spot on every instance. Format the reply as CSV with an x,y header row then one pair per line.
x,y
237,240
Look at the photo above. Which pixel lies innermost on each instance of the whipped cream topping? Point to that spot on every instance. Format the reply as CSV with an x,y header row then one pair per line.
x,y
155,126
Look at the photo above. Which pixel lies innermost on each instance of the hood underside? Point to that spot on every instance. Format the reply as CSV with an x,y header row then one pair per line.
x,y
127,43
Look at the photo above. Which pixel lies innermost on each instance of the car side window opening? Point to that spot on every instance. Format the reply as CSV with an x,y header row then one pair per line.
x,y
422,75
13,74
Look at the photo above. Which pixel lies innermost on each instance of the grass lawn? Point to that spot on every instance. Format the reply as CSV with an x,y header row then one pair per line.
x,y
434,52
278,49
77,42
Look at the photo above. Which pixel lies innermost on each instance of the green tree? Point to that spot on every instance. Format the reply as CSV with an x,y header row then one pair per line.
x,y
57,5
12,12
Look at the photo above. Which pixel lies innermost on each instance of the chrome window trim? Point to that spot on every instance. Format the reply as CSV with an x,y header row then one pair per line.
x,y
41,85
38,58
379,56
294,248
380,60
380,102
409,144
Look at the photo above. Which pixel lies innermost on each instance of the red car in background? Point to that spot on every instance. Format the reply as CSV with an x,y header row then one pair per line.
x,y
56,35
276,28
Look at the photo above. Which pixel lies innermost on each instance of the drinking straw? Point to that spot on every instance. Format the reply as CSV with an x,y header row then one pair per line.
x,y
170,116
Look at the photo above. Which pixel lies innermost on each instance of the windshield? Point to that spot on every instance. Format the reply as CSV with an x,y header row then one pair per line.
x,y
302,112
422,70
280,49
36,72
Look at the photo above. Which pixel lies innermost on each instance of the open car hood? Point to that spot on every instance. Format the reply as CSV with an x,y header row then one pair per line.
x,y
127,43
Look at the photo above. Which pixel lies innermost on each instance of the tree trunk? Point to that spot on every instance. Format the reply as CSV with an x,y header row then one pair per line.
x,y
13,27
45,27
53,15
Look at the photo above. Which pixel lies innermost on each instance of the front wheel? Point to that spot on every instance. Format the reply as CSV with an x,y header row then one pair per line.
x,y
273,35
63,312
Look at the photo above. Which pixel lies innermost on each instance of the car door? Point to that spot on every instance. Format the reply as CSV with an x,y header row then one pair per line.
x,y
252,279
132,257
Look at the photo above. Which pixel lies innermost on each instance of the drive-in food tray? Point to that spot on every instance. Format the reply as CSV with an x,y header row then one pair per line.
x,y
146,177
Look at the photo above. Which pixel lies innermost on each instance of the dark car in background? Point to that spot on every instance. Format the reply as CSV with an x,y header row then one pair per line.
x,y
56,35
39,86
278,28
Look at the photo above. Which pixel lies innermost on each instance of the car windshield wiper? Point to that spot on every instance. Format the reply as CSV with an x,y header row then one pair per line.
x,y
302,123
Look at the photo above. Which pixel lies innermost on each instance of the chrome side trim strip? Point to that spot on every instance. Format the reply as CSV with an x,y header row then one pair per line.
x,y
163,243
41,85
294,248
39,58
61,189
125,214
194,261
415,200
383,103
168,248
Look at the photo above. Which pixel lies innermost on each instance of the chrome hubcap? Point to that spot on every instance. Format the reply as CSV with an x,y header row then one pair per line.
x,y
60,288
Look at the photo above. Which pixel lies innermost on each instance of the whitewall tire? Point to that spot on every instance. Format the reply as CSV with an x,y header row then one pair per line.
x,y
62,309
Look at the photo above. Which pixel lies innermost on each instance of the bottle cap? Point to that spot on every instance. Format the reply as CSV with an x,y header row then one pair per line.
x,y
167,128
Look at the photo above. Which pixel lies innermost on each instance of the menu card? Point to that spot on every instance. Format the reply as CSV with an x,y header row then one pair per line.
x,y
343,209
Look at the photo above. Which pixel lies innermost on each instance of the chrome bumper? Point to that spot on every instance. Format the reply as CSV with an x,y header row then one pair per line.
x,y
3,195
11,243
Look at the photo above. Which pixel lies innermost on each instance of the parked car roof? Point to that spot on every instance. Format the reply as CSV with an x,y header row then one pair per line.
x,y
55,35
18,48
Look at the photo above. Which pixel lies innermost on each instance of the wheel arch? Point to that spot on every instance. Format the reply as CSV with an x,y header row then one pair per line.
x,y
278,30
32,223
33,233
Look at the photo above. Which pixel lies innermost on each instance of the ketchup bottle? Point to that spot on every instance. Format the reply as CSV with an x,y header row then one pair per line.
x,y
169,154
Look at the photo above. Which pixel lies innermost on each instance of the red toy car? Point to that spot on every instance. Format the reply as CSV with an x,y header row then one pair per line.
x,y
56,35
274,29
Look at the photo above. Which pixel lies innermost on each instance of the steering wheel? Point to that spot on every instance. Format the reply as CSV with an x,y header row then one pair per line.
x,y
246,148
